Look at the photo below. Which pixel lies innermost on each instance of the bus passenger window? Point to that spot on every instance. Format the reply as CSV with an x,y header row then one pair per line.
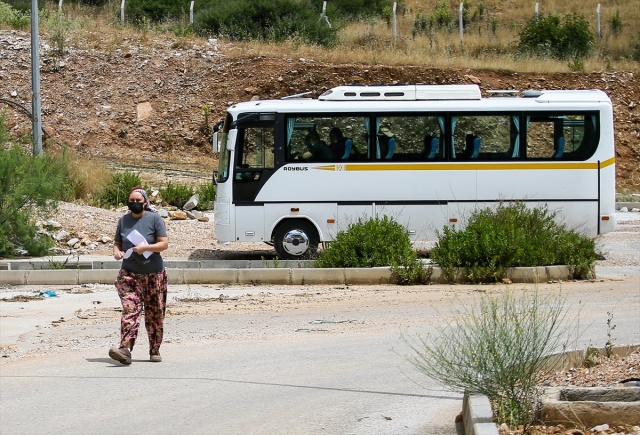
x,y
403,138
482,137
341,137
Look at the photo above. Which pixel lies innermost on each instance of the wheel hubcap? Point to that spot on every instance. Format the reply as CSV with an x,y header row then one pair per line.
x,y
295,242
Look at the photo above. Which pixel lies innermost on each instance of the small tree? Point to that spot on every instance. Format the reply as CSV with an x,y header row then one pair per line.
x,y
550,37
29,186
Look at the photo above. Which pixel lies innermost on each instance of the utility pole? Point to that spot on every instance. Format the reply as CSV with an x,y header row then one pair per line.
x,y
36,121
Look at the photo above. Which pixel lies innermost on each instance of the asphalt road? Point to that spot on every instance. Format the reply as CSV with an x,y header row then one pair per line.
x,y
265,366
267,360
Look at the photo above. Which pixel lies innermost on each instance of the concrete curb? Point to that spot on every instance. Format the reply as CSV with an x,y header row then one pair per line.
x,y
477,414
629,205
249,275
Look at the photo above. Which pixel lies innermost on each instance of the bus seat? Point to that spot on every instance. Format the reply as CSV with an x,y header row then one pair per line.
x,y
559,147
392,146
348,143
430,147
472,149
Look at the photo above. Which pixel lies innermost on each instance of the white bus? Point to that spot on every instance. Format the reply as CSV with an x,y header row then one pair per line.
x,y
426,155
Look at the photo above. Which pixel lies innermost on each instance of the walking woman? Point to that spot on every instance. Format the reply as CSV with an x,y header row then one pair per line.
x,y
142,281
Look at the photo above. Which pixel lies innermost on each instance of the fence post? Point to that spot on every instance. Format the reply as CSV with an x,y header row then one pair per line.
x,y
59,5
323,15
598,20
122,13
395,27
537,10
461,23
191,13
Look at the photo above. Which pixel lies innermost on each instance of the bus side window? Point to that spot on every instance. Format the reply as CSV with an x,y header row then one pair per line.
x,y
540,139
255,153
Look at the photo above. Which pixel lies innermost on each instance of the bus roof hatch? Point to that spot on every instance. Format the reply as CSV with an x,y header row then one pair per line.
x,y
402,93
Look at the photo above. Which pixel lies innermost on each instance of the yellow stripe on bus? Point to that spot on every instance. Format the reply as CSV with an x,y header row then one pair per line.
x,y
505,166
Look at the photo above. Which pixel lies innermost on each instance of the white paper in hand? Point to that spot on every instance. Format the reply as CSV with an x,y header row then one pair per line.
x,y
138,240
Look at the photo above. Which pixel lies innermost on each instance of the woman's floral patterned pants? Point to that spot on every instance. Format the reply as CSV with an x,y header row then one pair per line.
x,y
138,292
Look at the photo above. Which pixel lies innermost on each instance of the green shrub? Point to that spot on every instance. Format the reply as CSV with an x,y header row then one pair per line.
x,y
496,347
30,186
375,242
576,38
59,27
17,19
155,10
20,5
636,48
116,192
7,14
176,194
615,22
353,8
266,20
510,235
206,194
549,37
540,35
442,16
422,24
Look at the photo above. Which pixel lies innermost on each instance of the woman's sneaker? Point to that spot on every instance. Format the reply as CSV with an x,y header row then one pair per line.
x,y
155,357
122,355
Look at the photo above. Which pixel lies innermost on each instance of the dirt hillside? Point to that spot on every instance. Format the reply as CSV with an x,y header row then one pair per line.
x,y
146,100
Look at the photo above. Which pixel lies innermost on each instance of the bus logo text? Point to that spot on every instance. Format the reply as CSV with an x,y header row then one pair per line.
x,y
296,168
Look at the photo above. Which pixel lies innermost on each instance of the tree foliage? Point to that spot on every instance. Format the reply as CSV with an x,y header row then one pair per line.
x,y
549,36
28,186
268,20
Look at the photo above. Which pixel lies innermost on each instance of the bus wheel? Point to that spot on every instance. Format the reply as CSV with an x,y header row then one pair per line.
x,y
295,239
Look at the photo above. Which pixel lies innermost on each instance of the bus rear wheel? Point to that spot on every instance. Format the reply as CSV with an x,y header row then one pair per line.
x,y
295,240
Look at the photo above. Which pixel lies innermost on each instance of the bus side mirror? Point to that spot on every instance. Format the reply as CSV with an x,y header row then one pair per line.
x,y
231,140
214,143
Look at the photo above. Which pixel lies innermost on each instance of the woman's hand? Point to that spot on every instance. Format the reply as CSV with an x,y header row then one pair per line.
x,y
117,253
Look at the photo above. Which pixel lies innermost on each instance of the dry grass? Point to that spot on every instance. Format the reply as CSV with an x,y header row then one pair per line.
x,y
489,40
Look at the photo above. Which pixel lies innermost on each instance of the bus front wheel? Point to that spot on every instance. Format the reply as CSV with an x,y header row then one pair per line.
x,y
295,239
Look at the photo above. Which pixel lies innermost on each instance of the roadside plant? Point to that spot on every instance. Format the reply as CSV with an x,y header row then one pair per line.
x,y
205,128
176,194
615,22
116,192
496,347
16,19
375,242
59,27
30,187
610,339
510,235
206,195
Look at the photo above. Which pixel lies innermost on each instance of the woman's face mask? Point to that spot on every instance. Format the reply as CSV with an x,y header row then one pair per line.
x,y
136,207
